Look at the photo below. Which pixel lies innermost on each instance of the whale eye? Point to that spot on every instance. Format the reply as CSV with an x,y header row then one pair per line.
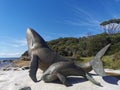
x,y
32,45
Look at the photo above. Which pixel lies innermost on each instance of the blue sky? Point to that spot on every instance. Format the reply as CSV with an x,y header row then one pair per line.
x,y
51,19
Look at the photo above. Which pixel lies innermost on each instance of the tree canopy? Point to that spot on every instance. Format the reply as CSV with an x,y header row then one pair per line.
x,y
111,26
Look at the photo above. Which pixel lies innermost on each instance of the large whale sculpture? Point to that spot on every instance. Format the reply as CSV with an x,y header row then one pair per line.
x,y
61,70
42,56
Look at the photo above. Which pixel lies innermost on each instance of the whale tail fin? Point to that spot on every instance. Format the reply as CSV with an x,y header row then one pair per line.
x,y
97,64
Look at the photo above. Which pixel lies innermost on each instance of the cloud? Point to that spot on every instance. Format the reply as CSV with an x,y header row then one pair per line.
x,y
19,43
10,54
83,18
11,42
10,47
53,35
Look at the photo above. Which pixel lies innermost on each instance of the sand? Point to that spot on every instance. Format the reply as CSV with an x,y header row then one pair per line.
x,y
20,80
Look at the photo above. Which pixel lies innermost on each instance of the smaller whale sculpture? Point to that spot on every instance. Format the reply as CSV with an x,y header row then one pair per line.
x,y
61,70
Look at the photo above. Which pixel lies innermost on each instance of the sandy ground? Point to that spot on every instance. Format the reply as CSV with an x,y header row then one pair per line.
x,y
20,80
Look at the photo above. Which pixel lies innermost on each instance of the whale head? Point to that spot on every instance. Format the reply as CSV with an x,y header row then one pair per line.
x,y
34,40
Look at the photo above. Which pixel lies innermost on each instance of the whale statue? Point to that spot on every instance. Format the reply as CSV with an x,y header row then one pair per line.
x,y
42,56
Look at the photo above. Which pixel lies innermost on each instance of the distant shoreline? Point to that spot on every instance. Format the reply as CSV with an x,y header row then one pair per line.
x,y
13,58
7,62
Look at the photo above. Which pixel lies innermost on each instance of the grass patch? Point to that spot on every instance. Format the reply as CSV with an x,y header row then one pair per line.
x,y
109,62
86,59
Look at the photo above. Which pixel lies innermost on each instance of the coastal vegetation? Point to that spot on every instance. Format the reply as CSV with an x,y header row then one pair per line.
x,y
86,46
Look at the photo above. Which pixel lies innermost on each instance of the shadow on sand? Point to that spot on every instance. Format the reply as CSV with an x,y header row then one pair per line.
x,y
111,80
72,80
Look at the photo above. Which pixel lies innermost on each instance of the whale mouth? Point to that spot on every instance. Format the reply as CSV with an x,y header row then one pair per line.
x,y
33,39
29,31
29,36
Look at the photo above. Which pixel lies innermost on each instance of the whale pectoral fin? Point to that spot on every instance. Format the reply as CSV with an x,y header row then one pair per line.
x,y
97,64
90,78
33,68
63,79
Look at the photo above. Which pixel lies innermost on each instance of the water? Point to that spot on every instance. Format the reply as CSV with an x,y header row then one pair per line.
x,y
6,62
9,58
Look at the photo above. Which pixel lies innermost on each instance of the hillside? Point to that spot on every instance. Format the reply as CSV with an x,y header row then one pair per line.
x,y
86,46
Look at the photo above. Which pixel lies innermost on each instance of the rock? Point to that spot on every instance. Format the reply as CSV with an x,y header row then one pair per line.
x,y
25,88
25,68
25,56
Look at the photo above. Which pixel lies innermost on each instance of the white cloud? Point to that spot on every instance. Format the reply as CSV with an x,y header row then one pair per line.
x,y
10,54
14,42
54,35
83,18
10,47
19,43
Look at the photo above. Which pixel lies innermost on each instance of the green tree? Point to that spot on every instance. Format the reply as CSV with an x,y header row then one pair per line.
x,y
111,26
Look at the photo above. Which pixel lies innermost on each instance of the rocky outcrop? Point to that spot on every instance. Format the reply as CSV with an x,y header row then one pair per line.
x,y
23,61
25,56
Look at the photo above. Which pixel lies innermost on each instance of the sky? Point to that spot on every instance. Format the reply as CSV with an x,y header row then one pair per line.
x,y
52,19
